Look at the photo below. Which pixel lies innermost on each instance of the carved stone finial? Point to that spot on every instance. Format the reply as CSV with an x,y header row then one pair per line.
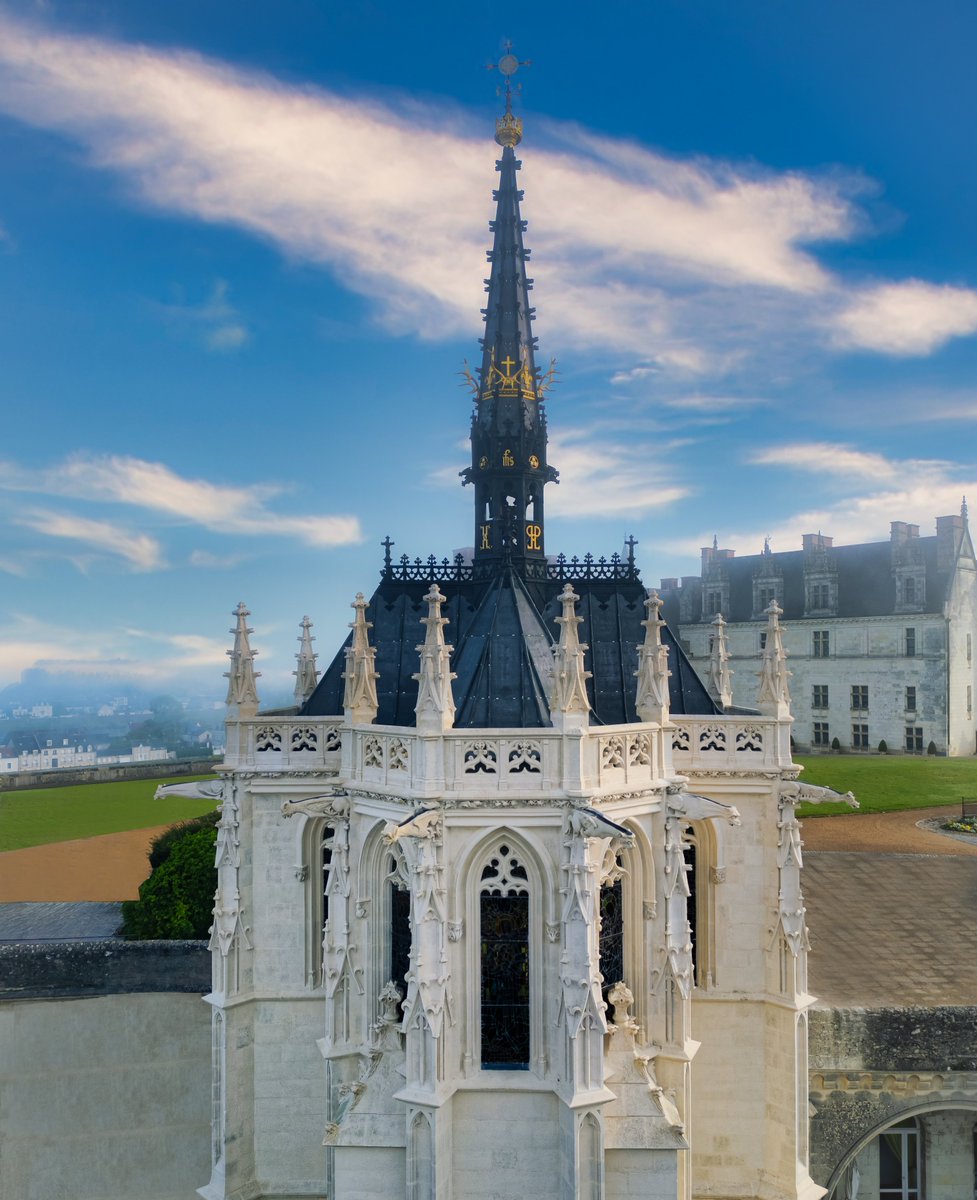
x,y
242,691
306,676
569,677
435,706
360,695
773,698
652,701
720,687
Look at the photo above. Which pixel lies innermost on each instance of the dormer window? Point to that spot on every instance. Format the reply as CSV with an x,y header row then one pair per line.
x,y
765,591
820,596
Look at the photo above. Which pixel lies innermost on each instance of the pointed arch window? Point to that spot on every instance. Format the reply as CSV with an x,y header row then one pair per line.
x,y
316,861
504,961
398,923
612,929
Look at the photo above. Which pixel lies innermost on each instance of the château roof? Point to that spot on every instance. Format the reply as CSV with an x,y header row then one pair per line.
x,y
865,577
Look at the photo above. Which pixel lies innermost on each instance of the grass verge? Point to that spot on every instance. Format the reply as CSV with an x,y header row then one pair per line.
x,y
44,815
884,783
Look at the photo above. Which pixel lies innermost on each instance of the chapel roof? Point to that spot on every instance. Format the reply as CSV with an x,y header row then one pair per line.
x,y
502,604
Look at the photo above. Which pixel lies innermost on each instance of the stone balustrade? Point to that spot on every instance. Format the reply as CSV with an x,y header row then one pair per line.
x,y
599,759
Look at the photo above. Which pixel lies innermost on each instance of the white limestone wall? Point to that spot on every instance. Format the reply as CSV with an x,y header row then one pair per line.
x,y
289,1096
745,1083
868,652
962,613
506,1145
105,1098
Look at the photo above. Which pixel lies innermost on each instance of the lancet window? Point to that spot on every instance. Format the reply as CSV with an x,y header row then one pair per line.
x,y
317,858
611,945
700,852
398,922
504,953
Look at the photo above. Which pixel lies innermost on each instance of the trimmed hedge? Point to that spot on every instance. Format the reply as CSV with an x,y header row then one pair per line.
x,y
177,900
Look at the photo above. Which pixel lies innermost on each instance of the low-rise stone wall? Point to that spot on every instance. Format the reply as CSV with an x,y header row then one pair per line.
x,y
106,967
17,781
105,1089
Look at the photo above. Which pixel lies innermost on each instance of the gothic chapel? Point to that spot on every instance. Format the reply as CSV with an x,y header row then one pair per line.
x,y
509,905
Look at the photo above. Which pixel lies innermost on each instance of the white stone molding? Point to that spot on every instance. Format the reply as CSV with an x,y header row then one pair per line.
x,y
360,676
720,676
652,700
588,838
790,936
428,1004
228,934
672,980
342,973
773,698
435,706
306,675
569,705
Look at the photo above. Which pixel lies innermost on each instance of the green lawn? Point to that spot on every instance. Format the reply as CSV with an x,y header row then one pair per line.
x,y
884,783
42,815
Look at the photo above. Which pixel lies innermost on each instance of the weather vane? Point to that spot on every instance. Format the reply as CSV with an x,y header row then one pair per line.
x,y
507,66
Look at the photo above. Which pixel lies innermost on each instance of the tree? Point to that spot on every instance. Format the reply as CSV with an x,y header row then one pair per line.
x,y
177,899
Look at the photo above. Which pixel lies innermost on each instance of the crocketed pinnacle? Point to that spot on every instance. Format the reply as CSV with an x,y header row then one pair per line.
x,y
242,690
306,675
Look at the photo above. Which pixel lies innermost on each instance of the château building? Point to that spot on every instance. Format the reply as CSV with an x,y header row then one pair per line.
x,y
880,636
508,905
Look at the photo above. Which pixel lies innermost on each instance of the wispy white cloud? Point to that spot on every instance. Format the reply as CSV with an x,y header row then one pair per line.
x,y
912,317
204,558
828,458
124,653
870,491
690,264
714,405
139,550
215,321
154,486
603,478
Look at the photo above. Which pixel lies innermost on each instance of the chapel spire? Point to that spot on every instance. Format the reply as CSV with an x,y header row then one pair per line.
x,y
509,467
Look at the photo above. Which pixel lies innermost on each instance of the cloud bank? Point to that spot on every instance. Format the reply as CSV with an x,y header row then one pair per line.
x,y
688,263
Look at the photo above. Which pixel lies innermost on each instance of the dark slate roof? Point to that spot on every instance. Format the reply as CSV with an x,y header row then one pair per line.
x,y
503,629
866,584
24,921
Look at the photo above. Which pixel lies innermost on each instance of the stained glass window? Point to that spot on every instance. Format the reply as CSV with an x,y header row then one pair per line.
x,y
504,937
689,851
400,936
611,936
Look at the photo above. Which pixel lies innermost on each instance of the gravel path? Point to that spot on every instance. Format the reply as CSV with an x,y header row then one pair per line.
x,y
104,868
887,833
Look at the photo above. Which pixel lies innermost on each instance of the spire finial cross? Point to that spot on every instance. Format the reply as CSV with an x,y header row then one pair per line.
x,y
507,66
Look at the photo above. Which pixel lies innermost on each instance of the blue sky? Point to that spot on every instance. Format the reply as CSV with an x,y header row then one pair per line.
x,y
241,263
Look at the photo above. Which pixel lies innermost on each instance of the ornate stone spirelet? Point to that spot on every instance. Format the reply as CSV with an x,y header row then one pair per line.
x,y
652,673
306,675
360,695
569,677
435,706
773,698
720,685
242,691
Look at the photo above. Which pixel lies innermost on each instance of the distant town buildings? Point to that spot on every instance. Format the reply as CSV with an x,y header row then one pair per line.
x,y
29,752
879,636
